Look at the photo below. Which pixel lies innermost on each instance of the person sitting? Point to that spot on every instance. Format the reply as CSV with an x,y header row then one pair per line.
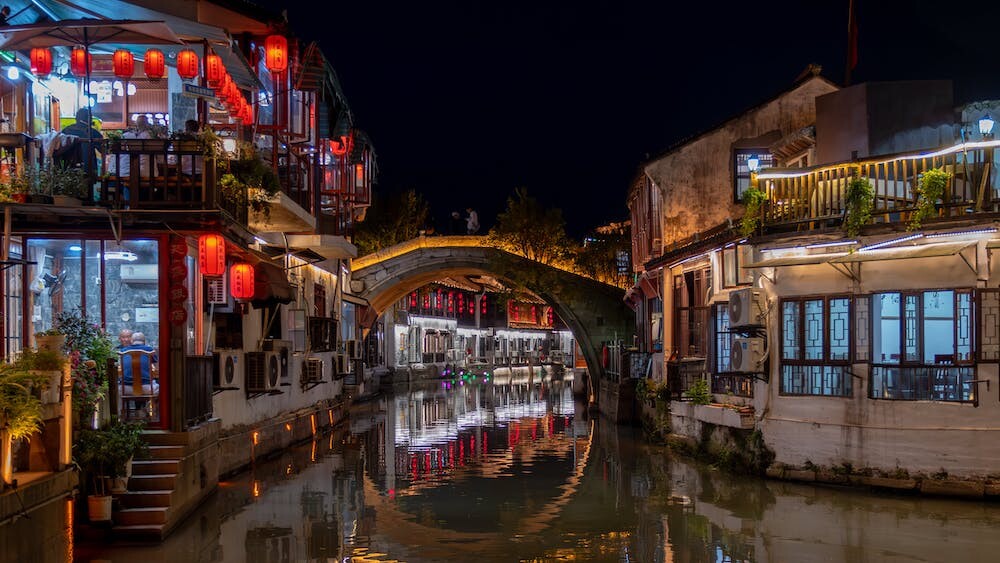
x,y
84,151
124,339
191,165
145,361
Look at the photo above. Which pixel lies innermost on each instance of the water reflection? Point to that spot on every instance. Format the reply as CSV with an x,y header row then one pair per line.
x,y
484,472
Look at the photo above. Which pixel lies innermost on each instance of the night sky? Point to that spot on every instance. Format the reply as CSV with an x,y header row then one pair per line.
x,y
465,102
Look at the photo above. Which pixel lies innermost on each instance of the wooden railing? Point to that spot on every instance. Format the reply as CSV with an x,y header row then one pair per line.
x,y
146,174
816,195
197,389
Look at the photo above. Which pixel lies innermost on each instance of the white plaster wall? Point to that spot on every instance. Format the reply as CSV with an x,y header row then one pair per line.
x,y
920,436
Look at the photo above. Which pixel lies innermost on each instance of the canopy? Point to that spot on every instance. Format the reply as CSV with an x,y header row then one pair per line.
x,y
801,260
898,253
86,32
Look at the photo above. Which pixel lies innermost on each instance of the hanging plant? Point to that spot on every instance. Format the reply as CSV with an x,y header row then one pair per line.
x,y
753,200
929,192
860,203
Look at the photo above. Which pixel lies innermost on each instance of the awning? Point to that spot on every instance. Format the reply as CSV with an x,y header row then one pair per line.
x,y
649,284
185,29
329,247
898,253
795,260
271,286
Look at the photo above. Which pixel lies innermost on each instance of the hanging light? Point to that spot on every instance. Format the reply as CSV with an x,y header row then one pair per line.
x,y
214,69
41,61
753,163
155,64
276,53
79,61
986,125
187,64
211,254
241,281
124,63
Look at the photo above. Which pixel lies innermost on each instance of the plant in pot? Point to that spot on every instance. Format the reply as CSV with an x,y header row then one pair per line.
x,y
68,186
89,348
93,456
51,340
20,411
47,364
20,184
126,444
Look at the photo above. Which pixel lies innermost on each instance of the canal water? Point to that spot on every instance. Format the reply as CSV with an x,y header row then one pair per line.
x,y
474,471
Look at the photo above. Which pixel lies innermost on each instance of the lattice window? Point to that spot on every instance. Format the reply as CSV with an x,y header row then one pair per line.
x,y
840,329
862,328
989,325
815,334
790,316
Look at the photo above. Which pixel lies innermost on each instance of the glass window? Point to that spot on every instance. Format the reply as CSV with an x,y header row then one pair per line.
x,y
939,327
54,280
815,334
132,288
723,338
691,313
790,319
13,301
742,171
885,323
840,329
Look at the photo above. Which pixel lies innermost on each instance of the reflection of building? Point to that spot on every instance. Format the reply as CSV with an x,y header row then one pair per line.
x,y
860,348
180,239
465,324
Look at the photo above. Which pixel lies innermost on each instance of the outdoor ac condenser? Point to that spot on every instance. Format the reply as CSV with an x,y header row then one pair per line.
x,y
747,308
312,370
227,369
263,370
746,355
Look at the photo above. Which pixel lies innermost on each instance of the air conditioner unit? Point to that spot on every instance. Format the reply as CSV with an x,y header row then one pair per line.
x,y
312,370
747,308
746,355
262,371
216,291
353,349
343,363
227,369
139,273
283,349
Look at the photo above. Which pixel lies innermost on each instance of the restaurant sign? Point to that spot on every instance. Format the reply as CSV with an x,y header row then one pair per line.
x,y
195,91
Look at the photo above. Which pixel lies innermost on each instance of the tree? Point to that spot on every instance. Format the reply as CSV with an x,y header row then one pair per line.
x,y
528,229
600,256
392,220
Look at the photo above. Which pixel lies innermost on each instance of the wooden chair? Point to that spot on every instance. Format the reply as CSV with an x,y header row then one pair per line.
x,y
137,402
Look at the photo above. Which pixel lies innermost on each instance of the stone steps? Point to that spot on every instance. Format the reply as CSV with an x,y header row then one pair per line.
x,y
166,452
142,516
163,438
155,467
146,499
143,532
152,482
146,505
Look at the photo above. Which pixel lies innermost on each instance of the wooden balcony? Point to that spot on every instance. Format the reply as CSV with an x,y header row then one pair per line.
x,y
164,174
815,197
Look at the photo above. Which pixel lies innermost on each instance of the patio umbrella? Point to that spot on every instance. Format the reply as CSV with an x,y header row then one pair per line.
x,y
86,32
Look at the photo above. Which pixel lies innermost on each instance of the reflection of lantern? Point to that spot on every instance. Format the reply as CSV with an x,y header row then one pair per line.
x,y
155,64
79,61
41,61
124,63
482,304
241,281
214,69
212,254
187,64
276,53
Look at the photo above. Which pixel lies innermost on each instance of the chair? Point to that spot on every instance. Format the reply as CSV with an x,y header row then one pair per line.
x,y
138,399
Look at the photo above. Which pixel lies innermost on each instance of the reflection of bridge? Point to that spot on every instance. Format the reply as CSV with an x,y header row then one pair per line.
x,y
594,311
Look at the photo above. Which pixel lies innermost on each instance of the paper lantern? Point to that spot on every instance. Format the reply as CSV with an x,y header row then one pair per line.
x,y
241,281
276,53
41,61
155,64
211,254
124,63
79,61
187,64
214,69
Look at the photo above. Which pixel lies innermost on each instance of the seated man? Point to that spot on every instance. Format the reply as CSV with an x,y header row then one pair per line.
x,y
146,362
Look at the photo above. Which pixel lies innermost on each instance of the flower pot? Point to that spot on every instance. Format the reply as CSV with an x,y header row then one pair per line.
x,y
52,342
66,201
53,392
117,485
99,508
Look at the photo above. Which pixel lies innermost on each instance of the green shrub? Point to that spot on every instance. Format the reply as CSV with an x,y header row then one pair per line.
x,y
699,392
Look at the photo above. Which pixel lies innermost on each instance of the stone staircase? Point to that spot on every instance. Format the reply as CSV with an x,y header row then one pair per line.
x,y
145,509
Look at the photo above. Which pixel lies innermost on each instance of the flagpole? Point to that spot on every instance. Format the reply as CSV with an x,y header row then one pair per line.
x,y
852,43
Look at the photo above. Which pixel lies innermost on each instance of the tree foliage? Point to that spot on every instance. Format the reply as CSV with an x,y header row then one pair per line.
x,y
530,230
598,258
392,219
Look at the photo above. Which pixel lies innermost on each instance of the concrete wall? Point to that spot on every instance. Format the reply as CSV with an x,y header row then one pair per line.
x,y
696,180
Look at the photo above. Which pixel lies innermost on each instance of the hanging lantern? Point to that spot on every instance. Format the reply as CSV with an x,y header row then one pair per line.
x,y
276,53
41,61
248,113
214,69
187,64
241,281
124,63
155,64
79,61
211,254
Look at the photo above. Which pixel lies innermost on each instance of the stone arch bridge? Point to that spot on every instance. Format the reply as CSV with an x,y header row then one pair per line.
x,y
593,310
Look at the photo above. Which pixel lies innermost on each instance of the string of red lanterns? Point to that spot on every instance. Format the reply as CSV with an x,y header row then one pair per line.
x,y
79,62
187,64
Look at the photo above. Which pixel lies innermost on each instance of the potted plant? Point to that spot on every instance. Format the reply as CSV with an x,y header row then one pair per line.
x,y
93,456
52,340
20,411
126,444
20,184
89,348
47,364
68,186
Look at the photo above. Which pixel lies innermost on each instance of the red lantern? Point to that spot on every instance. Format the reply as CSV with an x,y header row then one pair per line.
x,y
155,64
214,69
212,254
79,61
343,145
124,63
248,113
241,281
276,53
187,64
41,61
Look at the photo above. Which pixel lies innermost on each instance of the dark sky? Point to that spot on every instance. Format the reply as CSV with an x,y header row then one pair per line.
x,y
465,102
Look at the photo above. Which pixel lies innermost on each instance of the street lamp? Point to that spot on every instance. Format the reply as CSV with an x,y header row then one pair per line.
x,y
753,161
986,126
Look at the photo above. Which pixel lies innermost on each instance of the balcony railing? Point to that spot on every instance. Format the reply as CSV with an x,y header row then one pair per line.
x,y
144,174
817,195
